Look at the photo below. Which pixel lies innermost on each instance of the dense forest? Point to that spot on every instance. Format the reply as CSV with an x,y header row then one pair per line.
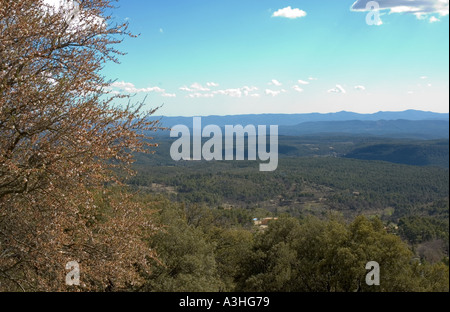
x,y
203,249
320,199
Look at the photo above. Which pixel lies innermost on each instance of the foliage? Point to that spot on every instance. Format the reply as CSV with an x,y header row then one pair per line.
x,y
60,138
186,260
330,255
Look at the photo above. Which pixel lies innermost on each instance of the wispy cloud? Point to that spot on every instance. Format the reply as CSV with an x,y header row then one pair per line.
x,y
184,88
122,85
247,90
238,92
129,87
200,95
199,91
302,82
359,88
274,92
198,87
289,12
297,88
337,89
275,82
195,87
434,19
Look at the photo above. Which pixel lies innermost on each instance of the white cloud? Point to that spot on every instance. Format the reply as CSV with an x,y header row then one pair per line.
x,y
289,12
272,92
275,82
122,84
312,78
237,92
200,95
424,77
58,5
302,82
230,92
420,8
198,87
420,16
151,89
78,19
360,88
405,9
247,90
337,89
170,95
184,88
297,88
195,87
434,19
128,87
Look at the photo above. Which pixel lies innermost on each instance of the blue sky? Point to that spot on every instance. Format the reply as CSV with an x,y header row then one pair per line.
x,y
208,57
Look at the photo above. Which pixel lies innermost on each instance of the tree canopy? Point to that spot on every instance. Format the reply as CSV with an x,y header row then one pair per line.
x,y
61,136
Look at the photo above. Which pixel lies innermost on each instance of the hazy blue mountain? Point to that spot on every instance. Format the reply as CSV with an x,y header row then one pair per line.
x,y
420,129
406,124
295,119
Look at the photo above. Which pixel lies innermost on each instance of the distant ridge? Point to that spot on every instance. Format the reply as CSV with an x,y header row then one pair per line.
x,y
296,119
401,128
407,124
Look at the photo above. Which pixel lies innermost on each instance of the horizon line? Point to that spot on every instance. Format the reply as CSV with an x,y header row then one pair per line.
x,y
290,114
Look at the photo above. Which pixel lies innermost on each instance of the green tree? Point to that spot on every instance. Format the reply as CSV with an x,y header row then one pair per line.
x,y
232,248
331,256
186,260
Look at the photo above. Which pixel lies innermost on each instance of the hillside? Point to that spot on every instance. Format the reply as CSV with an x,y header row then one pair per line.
x,y
419,154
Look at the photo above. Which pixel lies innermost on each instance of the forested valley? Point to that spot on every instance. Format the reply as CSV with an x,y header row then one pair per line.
x,y
326,214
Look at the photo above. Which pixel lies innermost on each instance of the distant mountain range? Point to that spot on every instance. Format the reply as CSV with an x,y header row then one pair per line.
x,y
406,124
295,119
415,129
